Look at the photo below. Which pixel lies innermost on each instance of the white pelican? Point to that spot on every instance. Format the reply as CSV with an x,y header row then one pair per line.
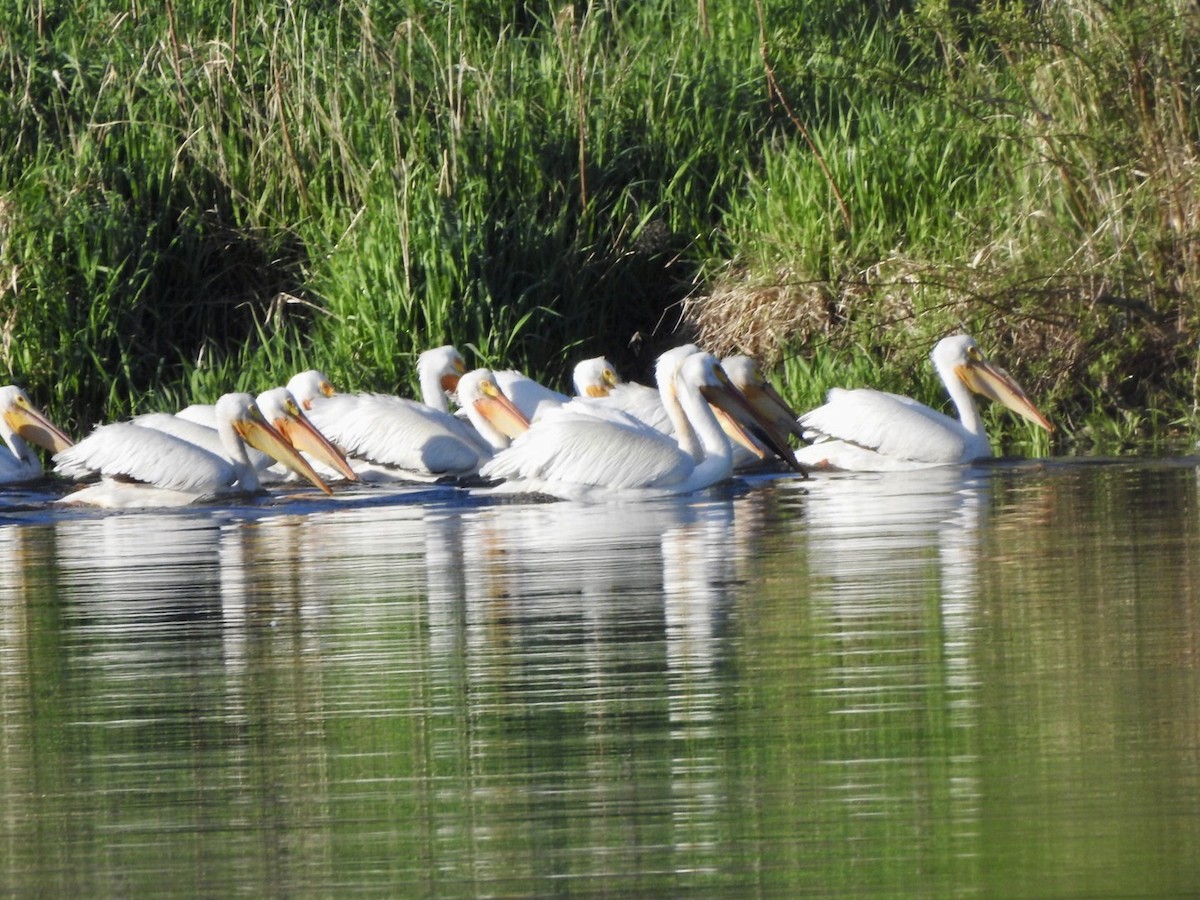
x,y
141,466
531,397
591,453
304,387
747,376
22,424
203,414
438,372
869,430
279,408
593,377
411,440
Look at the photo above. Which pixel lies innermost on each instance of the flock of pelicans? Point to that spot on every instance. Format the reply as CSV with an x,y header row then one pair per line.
x,y
705,420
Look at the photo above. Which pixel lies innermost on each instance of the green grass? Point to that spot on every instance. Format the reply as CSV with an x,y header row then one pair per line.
x,y
201,197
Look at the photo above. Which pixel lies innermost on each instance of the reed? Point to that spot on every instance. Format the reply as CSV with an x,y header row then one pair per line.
x,y
197,197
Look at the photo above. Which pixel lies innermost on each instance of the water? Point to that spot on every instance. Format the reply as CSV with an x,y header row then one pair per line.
x,y
964,681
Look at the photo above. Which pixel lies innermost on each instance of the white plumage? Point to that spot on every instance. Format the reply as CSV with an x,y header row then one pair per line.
x,y
142,466
309,386
747,376
592,452
279,408
869,430
647,404
283,411
411,440
594,377
765,439
531,397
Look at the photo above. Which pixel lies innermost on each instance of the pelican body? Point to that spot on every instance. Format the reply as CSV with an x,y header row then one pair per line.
x,y
278,407
394,437
754,440
869,430
648,404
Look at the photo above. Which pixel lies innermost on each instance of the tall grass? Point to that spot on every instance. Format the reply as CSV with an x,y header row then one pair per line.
x,y
201,198
197,196
1025,172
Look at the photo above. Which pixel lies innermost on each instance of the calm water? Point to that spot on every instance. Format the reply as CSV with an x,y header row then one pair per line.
x,y
976,681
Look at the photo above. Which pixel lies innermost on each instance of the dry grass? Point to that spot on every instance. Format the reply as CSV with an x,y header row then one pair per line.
x,y
880,305
897,307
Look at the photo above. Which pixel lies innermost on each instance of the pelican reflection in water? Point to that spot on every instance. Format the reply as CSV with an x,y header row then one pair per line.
x,y
894,563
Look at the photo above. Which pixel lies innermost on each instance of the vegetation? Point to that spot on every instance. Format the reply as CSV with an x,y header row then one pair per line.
x,y
200,196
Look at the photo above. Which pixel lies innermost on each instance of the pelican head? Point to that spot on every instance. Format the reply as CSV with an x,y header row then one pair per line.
x,y
478,390
747,376
23,419
960,355
444,365
241,413
740,419
595,377
281,410
305,387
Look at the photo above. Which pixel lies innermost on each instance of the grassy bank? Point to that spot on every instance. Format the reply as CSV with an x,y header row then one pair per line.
x,y
205,197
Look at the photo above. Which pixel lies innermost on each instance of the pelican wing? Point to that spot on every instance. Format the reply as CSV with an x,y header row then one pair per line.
x,y
394,431
128,451
584,449
200,413
526,394
595,408
889,424
204,436
637,400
